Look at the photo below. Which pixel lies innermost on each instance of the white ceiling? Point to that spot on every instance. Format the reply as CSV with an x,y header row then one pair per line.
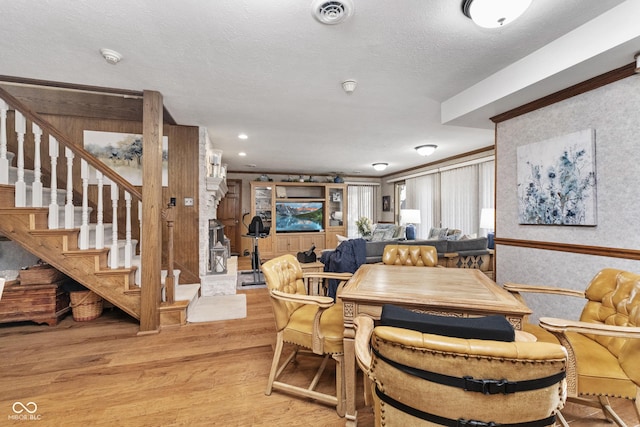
x,y
269,69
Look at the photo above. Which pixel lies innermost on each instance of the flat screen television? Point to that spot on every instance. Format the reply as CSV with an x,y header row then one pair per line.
x,y
294,217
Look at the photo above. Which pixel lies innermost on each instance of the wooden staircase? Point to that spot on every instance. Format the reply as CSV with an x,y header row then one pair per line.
x,y
28,227
45,231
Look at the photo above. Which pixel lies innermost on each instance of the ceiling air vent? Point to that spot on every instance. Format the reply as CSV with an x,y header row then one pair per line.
x,y
332,11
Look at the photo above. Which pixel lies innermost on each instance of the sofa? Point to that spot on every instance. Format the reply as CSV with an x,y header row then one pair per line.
x,y
454,250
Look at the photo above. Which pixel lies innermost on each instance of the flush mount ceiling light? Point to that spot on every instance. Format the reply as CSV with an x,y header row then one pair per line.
x,y
349,85
332,12
426,150
494,13
380,166
111,56
243,136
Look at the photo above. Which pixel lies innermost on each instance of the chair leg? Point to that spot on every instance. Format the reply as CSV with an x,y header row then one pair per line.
x,y
274,364
609,412
341,393
560,418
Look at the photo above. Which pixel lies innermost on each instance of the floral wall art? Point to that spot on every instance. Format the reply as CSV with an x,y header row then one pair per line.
x,y
557,180
122,152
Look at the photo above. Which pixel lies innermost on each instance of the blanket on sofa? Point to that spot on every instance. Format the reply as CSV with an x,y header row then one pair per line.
x,y
346,258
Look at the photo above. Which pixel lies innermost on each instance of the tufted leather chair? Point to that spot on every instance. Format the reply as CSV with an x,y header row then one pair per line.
x,y
604,346
312,324
419,256
416,378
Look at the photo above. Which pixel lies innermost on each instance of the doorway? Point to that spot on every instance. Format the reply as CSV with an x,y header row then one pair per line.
x,y
229,213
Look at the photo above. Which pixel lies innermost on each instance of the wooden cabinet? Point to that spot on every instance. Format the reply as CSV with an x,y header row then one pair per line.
x,y
300,215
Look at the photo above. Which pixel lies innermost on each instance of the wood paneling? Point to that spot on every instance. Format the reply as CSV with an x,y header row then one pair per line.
x,y
568,247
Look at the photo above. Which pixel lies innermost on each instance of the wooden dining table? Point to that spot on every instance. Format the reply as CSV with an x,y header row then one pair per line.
x,y
443,291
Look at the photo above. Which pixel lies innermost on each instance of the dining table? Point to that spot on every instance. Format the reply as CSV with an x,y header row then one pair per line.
x,y
460,292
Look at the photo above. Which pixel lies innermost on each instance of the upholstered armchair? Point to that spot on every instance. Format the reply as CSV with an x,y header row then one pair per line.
x,y
422,379
419,256
312,324
604,345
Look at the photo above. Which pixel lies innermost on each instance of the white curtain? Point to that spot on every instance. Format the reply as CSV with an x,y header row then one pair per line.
x,y
423,193
362,201
487,174
460,207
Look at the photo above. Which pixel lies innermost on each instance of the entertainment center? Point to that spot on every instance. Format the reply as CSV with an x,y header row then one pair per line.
x,y
299,215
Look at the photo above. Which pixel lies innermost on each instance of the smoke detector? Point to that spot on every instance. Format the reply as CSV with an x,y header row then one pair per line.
x,y
332,12
111,56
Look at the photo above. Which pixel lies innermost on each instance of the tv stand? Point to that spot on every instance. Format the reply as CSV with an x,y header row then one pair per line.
x,y
333,196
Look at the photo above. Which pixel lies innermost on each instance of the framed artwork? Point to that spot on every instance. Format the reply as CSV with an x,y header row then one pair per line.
x,y
557,180
336,196
122,152
386,203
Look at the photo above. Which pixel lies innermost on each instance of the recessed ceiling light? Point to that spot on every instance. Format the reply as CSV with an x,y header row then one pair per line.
x,y
243,136
242,154
380,166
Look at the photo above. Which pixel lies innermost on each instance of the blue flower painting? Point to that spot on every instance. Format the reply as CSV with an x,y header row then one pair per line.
x,y
557,181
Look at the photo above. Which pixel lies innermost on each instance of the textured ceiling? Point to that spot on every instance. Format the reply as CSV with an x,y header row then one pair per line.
x,y
269,69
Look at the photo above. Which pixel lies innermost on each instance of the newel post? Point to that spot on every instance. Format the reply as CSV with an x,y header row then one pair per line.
x,y
152,205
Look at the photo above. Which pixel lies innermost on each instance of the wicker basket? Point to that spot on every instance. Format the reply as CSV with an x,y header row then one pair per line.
x,y
85,305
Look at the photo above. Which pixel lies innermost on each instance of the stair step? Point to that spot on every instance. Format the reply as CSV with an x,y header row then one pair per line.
x,y
121,247
137,261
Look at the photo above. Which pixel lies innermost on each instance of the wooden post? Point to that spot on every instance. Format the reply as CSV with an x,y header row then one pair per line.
x,y
151,212
169,283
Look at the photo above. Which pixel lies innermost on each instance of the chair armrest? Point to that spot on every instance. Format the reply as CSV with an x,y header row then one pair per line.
x,y
364,329
553,324
327,275
319,300
516,287
450,254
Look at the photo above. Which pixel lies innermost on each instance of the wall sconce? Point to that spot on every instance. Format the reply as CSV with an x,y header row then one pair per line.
x,y
380,166
494,13
426,150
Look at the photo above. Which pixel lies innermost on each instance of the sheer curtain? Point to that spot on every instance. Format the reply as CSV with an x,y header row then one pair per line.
x,y
362,201
460,197
486,174
423,193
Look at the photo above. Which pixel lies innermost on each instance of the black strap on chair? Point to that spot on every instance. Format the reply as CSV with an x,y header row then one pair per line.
x,y
460,422
467,383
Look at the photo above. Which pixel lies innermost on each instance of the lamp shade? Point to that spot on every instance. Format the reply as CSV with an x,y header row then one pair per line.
x,y
409,216
494,13
487,218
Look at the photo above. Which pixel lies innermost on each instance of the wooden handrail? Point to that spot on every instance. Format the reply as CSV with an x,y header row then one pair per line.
x,y
77,149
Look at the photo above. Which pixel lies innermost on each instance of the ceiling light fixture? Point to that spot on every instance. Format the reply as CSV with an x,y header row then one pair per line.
x,y
426,150
349,85
111,56
242,154
243,136
380,166
494,13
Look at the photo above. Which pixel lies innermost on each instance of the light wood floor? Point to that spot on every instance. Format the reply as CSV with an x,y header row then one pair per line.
x,y
100,373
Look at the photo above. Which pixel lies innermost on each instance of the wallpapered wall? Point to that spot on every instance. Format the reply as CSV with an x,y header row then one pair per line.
x,y
614,112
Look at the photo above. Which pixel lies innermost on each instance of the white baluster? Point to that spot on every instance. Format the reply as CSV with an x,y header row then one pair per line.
x,y
36,187
4,161
21,186
115,194
128,247
69,212
84,227
100,214
53,206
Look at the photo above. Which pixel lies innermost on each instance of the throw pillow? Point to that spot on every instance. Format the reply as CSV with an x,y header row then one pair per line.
x,y
389,233
400,232
438,233
496,328
378,235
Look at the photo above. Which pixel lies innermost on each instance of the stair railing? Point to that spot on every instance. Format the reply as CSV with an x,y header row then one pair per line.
x,y
88,165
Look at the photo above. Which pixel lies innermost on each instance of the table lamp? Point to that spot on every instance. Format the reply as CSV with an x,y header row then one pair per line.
x,y
410,217
487,221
